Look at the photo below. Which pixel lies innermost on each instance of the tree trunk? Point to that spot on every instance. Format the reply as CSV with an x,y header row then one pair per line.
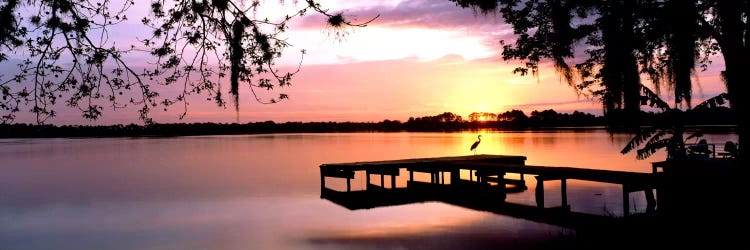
x,y
620,68
611,68
735,54
630,75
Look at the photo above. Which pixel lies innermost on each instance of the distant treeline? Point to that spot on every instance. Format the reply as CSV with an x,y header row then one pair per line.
x,y
511,120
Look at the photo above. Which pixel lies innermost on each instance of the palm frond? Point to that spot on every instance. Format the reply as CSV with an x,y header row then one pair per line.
x,y
653,99
696,134
638,139
656,137
651,148
713,102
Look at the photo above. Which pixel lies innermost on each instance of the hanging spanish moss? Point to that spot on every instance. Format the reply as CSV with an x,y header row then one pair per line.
x,y
562,47
265,46
681,47
236,53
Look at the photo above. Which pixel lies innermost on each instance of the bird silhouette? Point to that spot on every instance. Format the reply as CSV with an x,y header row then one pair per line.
x,y
476,143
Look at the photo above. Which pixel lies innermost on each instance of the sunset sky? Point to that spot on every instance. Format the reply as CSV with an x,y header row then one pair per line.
x,y
420,57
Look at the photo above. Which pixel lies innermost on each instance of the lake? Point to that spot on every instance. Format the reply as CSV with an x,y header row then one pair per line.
x,y
263,191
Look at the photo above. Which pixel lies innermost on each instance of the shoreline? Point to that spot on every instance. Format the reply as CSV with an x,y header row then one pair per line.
x,y
20,131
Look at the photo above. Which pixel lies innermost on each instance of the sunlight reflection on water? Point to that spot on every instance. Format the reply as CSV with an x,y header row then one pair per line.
x,y
262,191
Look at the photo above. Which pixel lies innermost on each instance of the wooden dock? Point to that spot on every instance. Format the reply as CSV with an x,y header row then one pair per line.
x,y
487,192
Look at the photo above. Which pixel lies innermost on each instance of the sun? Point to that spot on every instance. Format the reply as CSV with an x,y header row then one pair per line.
x,y
482,119
482,107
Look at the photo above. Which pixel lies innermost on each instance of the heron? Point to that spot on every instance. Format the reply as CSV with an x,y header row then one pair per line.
x,y
476,143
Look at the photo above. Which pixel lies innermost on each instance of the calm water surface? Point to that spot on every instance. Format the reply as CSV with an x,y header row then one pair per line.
x,y
263,191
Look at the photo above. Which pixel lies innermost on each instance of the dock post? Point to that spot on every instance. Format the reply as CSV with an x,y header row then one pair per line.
x,y
658,202
367,181
471,175
501,181
650,201
393,181
442,177
322,180
348,185
564,190
382,180
411,175
455,176
625,200
539,192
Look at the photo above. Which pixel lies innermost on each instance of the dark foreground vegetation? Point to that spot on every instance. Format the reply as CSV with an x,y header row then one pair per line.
x,y
510,120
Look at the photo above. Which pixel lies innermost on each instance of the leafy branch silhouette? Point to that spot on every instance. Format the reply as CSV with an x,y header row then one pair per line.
x,y
65,52
670,133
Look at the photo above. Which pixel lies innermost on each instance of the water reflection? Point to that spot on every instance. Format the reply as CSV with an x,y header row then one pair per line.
x,y
262,191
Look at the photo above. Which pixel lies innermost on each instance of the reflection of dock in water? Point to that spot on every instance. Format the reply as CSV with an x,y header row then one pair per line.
x,y
486,192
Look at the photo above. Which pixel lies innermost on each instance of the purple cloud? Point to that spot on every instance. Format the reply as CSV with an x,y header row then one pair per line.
x,y
416,13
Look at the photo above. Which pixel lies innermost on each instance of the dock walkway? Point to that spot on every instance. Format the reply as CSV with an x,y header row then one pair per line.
x,y
486,192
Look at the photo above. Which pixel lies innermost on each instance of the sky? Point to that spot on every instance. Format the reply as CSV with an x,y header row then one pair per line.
x,y
419,58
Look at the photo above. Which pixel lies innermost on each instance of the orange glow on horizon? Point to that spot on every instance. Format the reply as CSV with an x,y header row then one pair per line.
x,y
375,91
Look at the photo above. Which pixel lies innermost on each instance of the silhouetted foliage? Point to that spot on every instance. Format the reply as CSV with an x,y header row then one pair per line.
x,y
551,118
67,55
663,39
184,129
512,116
669,131
445,122
482,117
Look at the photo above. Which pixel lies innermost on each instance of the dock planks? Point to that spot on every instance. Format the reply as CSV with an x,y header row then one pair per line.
x,y
491,169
